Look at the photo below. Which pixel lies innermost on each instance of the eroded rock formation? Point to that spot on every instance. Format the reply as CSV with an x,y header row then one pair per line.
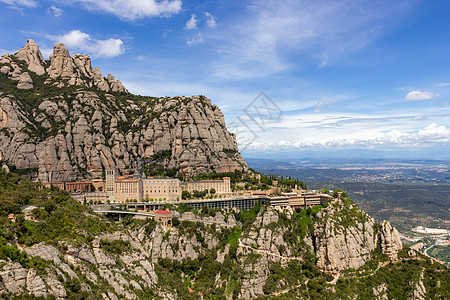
x,y
345,236
86,123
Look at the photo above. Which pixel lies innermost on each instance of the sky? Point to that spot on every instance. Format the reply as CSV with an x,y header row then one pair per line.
x,y
291,77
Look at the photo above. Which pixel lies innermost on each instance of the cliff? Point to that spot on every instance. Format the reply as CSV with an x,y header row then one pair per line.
x,y
331,252
62,119
345,237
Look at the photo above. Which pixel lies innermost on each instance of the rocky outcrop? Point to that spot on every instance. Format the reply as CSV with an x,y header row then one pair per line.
x,y
343,237
25,82
77,70
132,260
380,292
390,240
346,235
81,133
419,291
32,56
13,277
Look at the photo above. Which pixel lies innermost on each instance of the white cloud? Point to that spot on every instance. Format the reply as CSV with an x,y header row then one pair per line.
x,y
140,57
321,31
429,136
55,11
210,20
198,39
109,47
81,41
20,3
322,104
134,9
419,95
191,24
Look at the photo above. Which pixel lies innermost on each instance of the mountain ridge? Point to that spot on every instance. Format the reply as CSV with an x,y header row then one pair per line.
x,y
63,120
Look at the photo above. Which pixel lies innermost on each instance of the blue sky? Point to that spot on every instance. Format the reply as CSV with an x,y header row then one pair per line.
x,y
345,75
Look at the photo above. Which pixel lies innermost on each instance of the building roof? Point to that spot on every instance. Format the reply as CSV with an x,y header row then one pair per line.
x,y
226,178
162,212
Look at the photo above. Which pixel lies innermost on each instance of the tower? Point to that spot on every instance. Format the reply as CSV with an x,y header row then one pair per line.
x,y
111,177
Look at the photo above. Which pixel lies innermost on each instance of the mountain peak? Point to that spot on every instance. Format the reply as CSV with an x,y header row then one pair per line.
x,y
64,69
31,54
59,49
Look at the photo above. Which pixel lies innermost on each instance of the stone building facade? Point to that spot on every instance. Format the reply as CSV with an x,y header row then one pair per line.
x,y
161,188
123,188
222,187
128,189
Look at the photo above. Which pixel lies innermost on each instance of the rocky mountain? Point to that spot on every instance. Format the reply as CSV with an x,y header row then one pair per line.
x,y
61,120
331,252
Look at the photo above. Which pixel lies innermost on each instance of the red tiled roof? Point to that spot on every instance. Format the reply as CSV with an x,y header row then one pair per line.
x,y
162,212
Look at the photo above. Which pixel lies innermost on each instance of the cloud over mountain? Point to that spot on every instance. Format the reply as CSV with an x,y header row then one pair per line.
x,y
83,42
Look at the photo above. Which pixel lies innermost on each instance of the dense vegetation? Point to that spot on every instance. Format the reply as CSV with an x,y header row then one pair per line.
x,y
56,216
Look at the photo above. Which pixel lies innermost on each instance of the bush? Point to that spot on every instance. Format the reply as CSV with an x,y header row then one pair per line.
x,y
116,247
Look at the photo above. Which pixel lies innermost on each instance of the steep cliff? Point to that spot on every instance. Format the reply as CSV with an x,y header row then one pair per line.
x,y
62,118
345,237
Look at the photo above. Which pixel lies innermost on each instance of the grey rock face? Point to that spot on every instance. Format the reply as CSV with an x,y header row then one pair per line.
x,y
31,54
91,131
13,277
61,64
25,82
339,247
78,70
419,292
258,249
88,137
390,240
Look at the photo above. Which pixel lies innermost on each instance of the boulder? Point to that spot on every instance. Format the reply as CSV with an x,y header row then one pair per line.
x,y
25,82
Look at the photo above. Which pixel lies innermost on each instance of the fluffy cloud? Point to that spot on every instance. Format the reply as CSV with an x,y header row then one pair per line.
x,y
419,95
20,3
198,39
55,11
191,24
81,41
430,135
210,20
134,9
